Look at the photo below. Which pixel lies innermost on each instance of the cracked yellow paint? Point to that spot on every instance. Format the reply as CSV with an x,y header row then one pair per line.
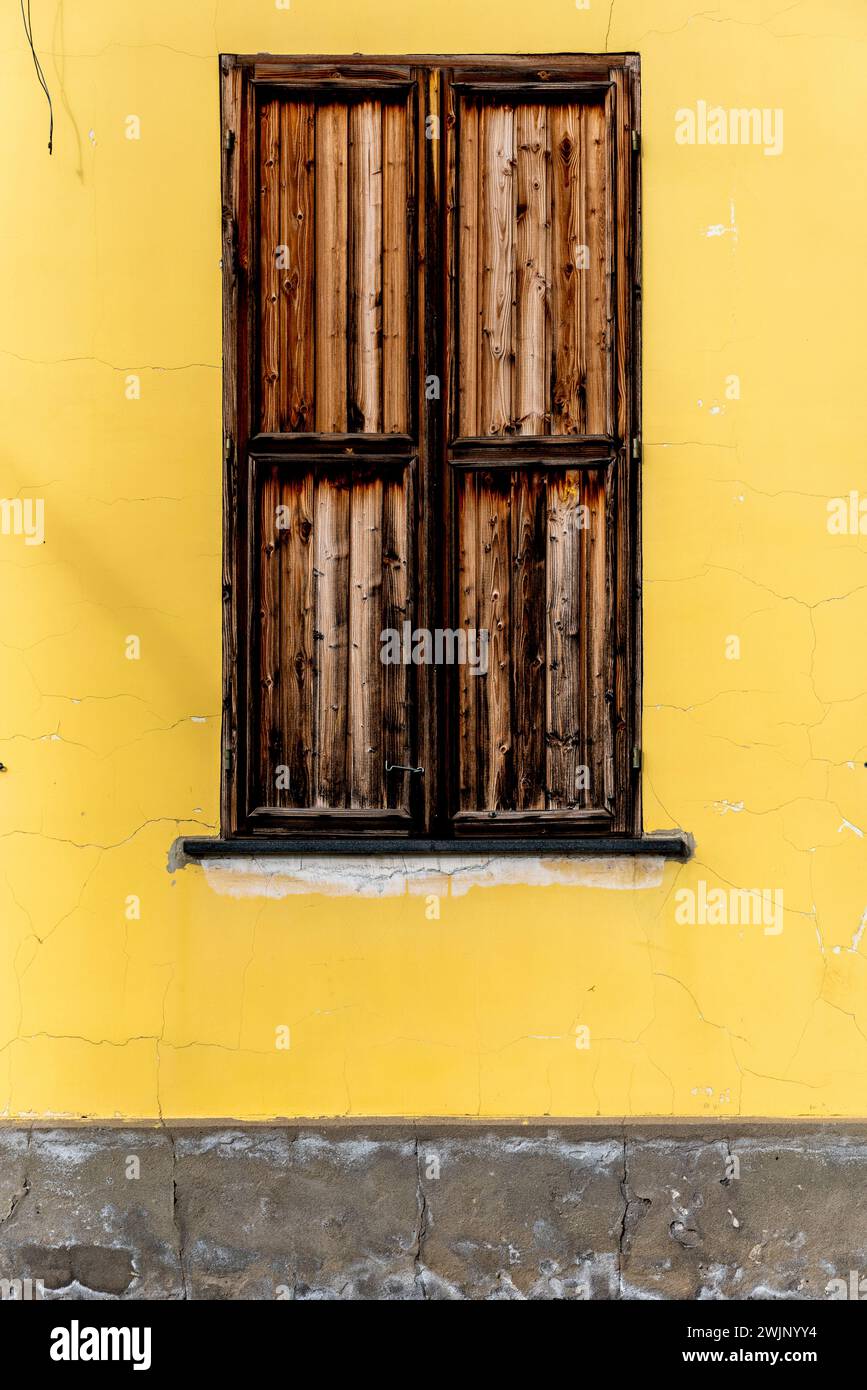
x,y
110,271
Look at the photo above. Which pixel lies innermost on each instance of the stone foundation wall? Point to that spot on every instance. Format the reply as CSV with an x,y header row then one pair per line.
x,y
403,1210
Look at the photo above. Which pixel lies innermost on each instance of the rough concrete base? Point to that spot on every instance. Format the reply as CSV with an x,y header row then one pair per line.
x,y
402,1210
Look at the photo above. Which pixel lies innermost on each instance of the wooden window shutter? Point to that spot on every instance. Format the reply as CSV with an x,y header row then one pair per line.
x,y
321,175
539,461
430,405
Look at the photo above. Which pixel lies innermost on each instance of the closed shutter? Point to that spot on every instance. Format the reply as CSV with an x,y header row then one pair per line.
x,y
534,455
430,320
323,186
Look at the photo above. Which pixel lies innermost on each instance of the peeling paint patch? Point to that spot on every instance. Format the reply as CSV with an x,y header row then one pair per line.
x,y
389,876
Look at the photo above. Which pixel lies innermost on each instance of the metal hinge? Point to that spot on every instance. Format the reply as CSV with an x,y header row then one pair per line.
x,y
227,449
636,758
230,141
227,760
636,448
636,141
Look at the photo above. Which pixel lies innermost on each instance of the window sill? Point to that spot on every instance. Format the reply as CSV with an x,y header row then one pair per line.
x,y
668,844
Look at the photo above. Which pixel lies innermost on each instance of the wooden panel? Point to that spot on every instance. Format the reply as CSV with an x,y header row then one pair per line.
x,y
563,680
486,717
331,632
497,224
395,273
535,732
365,266
568,277
286,612
597,616
534,269
270,732
295,320
581,262
596,298
397,608
528,548
366,756
468,275
332,232
335,571
269,274
532,360
334,256
296,695
471,689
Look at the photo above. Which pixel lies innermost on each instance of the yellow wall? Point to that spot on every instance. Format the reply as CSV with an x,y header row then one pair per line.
x,y
109,266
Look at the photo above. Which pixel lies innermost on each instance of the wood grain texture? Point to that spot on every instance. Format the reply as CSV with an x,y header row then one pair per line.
x,y
469,272
295,273
331,635
332,270
568,284
562,690
497,289
496,774
563,736
596,278
395,273
397,608
532,321
286,644
365,266
596,601
365,757
529,645
269,643
296,616
269,275
471,689
534,269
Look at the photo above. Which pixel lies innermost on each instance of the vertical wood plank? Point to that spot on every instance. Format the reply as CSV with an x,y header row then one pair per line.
x,y
269,275
563,672
532,363
469,268
365,733
597,614
269,643
295,274
497,254
529,530
596,277
331,635
496,772
332,232
365,266
395,276
397,608
471,752
567,277
297,661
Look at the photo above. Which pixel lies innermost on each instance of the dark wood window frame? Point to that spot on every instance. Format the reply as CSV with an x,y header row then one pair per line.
x,y
433,447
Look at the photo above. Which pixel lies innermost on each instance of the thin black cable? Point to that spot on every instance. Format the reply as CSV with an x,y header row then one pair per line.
x,y
28,30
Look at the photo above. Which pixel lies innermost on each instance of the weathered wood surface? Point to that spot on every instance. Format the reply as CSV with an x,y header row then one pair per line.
x,y
534,250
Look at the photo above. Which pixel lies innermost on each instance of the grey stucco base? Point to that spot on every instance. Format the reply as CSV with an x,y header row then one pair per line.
x,y
406,1210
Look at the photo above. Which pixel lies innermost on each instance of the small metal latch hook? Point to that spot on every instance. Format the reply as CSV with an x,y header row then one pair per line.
x,y
401,767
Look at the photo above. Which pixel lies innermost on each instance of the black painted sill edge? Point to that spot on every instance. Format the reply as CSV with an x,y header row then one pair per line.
x,y
667,844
